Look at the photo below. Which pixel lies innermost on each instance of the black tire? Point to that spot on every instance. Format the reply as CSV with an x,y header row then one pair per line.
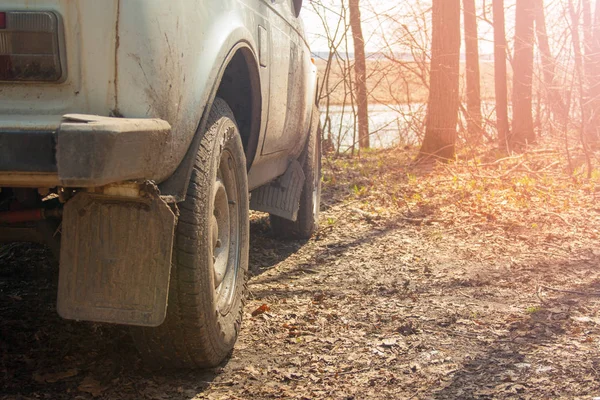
x,y
206,306
307,222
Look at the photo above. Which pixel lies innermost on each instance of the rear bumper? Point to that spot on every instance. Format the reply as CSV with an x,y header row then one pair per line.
x,y
84,151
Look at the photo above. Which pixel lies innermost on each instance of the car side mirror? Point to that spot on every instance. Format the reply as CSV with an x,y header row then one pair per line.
x,y
297,7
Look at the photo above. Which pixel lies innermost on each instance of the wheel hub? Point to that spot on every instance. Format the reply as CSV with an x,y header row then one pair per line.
x,y
225,233
220,232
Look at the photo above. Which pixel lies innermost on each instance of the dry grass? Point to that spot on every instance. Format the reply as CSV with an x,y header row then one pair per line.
x,y
536,193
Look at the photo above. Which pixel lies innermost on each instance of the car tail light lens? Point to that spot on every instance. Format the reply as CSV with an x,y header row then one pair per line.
x,y
30,47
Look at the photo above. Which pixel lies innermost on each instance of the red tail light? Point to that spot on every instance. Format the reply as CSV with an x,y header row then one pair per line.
x,y
30,46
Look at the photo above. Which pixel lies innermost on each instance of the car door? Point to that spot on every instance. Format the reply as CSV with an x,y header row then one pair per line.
x,y
287,78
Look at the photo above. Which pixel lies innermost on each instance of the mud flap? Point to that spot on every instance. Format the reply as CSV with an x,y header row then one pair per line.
x,y
281,197
115,260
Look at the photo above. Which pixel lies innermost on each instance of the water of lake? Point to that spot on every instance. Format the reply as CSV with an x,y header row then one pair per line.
x,y
390,125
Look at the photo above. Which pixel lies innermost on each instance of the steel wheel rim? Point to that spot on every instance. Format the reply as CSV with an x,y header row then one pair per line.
x,y
225,233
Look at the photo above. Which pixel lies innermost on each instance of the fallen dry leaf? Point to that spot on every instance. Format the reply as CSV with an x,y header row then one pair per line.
x,y
91,386
319,297
260,310
55,377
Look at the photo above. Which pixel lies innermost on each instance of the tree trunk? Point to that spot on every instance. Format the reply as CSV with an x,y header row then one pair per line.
x,y
578,54
593,97
555,100
579,59
587,33
523,133
360,72
442,108
500,74
474,125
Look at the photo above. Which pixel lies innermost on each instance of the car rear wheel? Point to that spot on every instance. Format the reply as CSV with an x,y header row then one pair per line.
x,y
210,258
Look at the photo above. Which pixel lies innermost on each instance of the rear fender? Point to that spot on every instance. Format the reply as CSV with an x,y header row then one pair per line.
x,y
171,63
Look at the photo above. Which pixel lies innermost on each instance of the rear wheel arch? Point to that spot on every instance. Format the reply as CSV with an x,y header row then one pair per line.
x,y
247,112
240,87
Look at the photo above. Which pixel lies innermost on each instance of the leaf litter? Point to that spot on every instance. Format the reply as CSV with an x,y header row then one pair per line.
x,y
470,280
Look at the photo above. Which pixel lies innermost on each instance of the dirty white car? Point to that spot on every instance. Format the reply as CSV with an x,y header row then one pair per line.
x,y
133,134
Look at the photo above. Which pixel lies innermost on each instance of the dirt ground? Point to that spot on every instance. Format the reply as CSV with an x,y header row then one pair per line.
x,y
470,281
